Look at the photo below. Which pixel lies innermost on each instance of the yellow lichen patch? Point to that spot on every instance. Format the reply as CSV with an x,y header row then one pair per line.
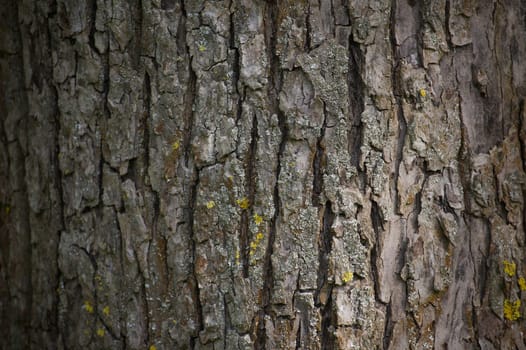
x,y
98,280
243,203
347,277
7,209
423,92
238,255
255,243
106,310
210,204
510,268
511,309
258,219
201,48
152,347
176,145
522,283
100,332
88,307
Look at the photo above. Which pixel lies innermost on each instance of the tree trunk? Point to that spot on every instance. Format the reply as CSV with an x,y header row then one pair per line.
x,y
190,174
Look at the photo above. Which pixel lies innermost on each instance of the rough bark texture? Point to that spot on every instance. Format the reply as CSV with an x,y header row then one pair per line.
x,y
188,174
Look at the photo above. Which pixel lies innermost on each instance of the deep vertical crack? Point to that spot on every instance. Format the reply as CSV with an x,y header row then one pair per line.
x,y
191,88
522,140
328,322
188,122
147,111
318,163
402,130
188,113
298,337
356,88
137,38
397,91
196,291
389,326
377,221
250,156
58,178
250,190
92,26
274,86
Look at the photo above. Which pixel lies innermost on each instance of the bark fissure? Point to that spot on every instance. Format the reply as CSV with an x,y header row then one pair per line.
x,y
190,92
236,73
227,323
188,113
298,336
144,297
122,318
92,26
522,139
378,229
356,89
193,241
137,38
328,324
389,326
318,164
146,122
274,87
397,92
250,190
60,192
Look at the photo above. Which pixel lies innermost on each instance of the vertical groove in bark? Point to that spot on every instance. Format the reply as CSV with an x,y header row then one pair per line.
x,y
92,28
376,220
356,88
58,179
328,324
318,164
522,139
236,68
250,190
196,290
137,38
274,87
388,327
188,112
190,94
145,123
397,92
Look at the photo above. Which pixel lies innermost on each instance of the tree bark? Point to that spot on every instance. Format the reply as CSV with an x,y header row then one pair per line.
x,y
190,174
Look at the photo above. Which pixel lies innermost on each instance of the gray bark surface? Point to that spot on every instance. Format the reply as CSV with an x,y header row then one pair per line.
x,y
189,174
